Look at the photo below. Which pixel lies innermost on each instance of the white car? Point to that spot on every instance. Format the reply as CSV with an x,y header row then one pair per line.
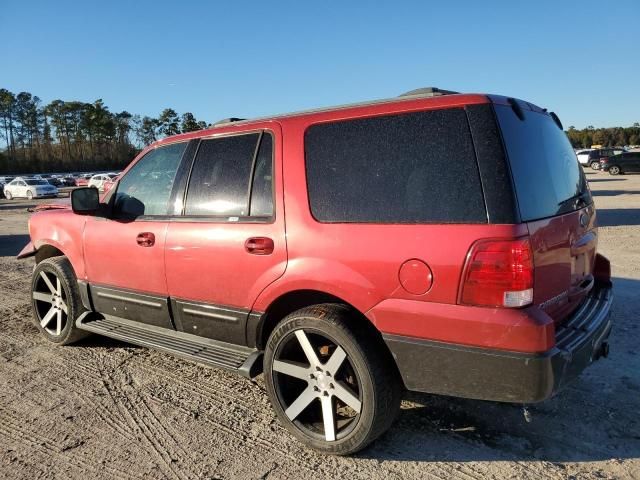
x,y
100,179
583,156
29,188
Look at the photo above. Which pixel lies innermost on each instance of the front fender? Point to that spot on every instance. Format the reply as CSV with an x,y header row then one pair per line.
x,y
62,230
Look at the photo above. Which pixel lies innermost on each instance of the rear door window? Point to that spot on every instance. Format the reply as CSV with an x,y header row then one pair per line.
x,y
548,179
409,168
232,177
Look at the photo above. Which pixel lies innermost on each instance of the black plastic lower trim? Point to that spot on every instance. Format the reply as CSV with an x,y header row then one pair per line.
x,y
219,322
141,307
504,376
85,297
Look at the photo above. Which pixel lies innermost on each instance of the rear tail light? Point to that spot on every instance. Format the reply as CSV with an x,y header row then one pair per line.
x,y
498,273
604,159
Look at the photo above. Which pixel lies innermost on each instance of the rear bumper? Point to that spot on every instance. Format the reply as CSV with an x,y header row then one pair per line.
x,y
504,376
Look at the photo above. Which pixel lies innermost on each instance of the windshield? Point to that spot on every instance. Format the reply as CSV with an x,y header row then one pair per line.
x,y
547,176
36,182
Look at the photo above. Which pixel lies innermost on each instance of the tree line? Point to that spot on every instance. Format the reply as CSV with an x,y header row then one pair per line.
x,y
77,136
608,137
72,135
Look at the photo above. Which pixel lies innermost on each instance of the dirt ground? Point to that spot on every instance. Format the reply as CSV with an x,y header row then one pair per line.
x,y
105,409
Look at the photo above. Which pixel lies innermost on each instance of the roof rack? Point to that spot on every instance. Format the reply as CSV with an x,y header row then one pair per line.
x,y
225,121
428,92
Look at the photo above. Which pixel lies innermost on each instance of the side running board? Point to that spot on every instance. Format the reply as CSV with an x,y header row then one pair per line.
x,y
243,360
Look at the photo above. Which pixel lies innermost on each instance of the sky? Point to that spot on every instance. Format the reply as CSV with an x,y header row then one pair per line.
x,y
246,59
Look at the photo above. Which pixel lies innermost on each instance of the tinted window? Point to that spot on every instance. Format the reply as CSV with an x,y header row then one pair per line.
x,y
146,188
546,173
262,188
410,168
36,182
219,183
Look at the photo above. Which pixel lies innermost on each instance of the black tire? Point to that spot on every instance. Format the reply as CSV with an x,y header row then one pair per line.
x,y
595,165
29,195
57,268
614,170
367,371
8,195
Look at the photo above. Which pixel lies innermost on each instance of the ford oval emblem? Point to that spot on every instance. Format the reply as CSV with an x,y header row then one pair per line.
x,y
584,219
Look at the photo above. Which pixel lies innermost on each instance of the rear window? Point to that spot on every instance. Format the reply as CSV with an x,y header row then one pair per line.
x,y
410,168
547,176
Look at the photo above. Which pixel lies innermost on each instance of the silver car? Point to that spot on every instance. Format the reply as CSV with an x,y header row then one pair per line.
x,y
29,188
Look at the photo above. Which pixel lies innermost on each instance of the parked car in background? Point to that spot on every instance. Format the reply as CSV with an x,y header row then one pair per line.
x,y
583,156
55,181
628,162
598,154
69,180
82,181
479,280
29,188
98,181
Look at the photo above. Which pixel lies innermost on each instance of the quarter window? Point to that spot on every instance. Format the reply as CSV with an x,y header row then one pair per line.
x,y
146,188
410,168
262,189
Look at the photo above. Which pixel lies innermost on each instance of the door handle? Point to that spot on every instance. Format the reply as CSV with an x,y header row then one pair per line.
x,y
259,245
146,239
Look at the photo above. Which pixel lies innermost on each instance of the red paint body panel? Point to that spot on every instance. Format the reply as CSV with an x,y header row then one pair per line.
x,y
62,229
521,330
114,258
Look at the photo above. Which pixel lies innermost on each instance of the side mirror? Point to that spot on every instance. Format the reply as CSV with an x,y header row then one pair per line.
x,y
85,200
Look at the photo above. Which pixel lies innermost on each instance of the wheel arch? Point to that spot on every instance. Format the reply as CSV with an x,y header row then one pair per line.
x,y
47,250
294,300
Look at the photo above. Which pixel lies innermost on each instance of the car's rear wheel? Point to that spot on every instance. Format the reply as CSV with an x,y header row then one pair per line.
x,y
595,165
56,301
8,195
335,391
614,170
29,194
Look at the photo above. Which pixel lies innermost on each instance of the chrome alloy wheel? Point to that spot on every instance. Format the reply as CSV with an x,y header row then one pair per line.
x,y
50,303
317,385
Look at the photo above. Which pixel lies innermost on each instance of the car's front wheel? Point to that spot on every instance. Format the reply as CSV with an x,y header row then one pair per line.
x,y
334,390
29,194
614,170
56,301
8,195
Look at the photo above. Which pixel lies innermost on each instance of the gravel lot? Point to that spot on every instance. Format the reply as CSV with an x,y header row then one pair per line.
x,y
106,409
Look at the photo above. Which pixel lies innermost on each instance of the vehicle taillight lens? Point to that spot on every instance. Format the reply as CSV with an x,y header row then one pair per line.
x,y
604,159
499,273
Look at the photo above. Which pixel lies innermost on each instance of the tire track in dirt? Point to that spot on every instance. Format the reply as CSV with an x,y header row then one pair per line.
x,y
48,447
109,418
159,443
244,435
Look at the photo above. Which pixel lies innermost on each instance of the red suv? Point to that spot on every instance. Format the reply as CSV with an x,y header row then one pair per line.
x,y
439,242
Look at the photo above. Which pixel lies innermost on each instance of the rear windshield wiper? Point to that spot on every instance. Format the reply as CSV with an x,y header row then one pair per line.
x,y
578,198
